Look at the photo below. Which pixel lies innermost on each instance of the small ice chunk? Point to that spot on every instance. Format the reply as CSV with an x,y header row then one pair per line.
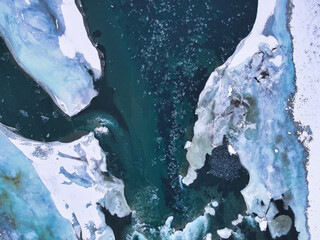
x,y
24,113
231,150
238,220
187,145
263,223
210,210
44,119
208,236
214,204
224,233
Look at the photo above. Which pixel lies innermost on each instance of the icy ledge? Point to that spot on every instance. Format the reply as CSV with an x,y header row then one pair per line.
x,y
49,41
248,100
76,176
305,31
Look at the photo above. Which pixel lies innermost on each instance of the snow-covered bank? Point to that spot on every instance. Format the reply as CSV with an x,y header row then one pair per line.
x,y
49,41
26,210
247,100
305,31
76,176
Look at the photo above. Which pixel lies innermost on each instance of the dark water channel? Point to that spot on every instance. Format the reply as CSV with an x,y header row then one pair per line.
x,y
158,56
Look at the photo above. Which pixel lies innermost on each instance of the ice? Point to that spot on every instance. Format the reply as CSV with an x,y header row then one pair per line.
x,y
247,100
194,230
224,233
238,220
38,34
280,226
304,28
76,176
26,210
75,39
208,236
263,223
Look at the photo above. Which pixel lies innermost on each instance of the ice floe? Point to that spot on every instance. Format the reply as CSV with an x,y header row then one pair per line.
x,y
224,233
247,100
238,220
76,176
50,43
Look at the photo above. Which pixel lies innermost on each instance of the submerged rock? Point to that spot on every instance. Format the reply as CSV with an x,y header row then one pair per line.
x,y
280,226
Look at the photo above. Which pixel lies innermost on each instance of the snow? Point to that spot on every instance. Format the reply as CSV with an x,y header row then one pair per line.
x,y
231,150
304,28
75,38
73,173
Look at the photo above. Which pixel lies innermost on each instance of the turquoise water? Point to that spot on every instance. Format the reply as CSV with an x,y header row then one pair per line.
x,y
158,56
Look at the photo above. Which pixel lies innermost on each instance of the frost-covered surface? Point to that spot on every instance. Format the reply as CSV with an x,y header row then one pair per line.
x,y
305,31
76,176
247,100
49,41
